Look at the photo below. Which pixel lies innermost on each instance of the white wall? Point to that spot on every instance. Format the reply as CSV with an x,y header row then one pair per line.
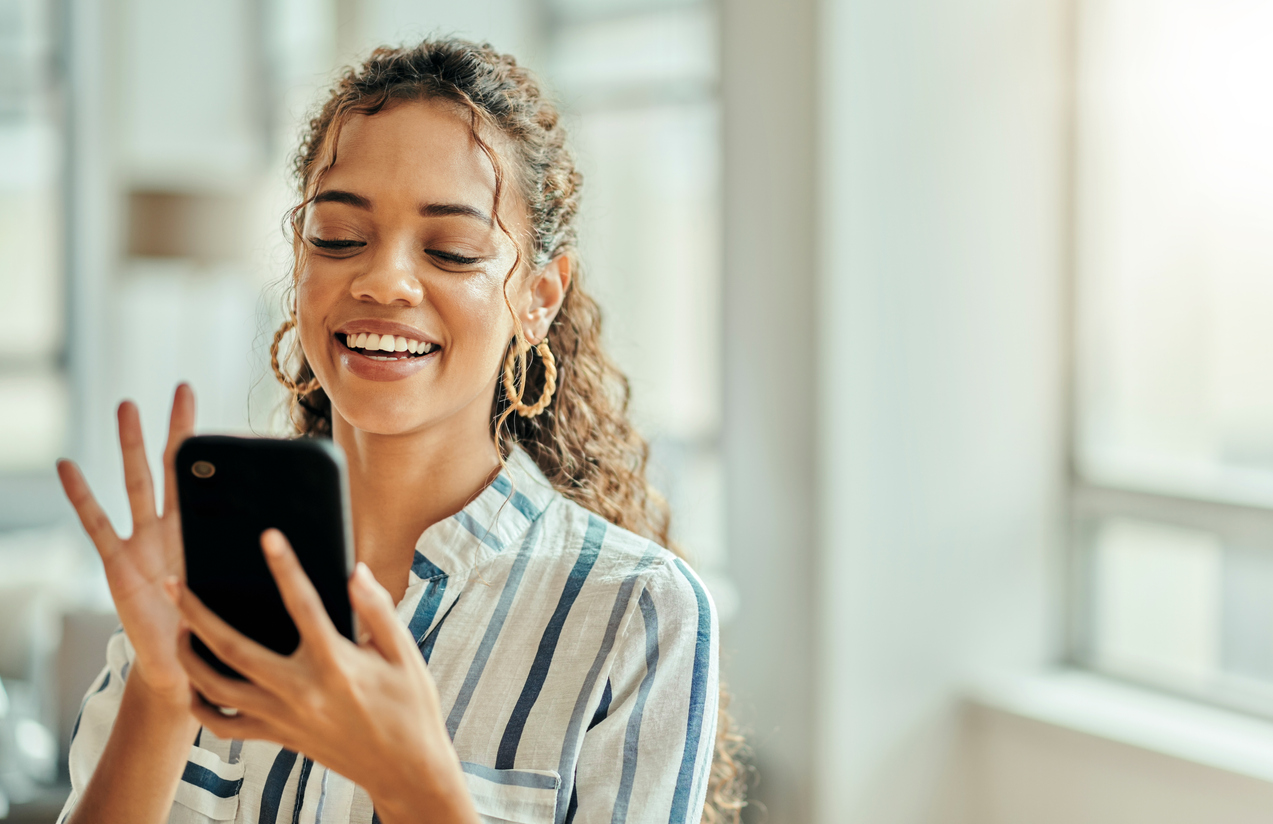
x,y
768,97
939,381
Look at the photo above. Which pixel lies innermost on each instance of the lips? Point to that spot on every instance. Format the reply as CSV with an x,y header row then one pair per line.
x,y
384,351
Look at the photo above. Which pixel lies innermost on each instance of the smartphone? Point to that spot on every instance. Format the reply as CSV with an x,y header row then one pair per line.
x,y
233,489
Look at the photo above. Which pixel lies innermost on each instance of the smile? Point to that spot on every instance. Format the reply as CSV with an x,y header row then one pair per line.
x,y
386,347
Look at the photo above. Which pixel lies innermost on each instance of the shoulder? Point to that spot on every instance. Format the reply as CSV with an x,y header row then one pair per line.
x,y
616,556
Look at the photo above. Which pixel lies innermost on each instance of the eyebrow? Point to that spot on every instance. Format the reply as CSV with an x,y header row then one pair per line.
x,y
426,210
348,198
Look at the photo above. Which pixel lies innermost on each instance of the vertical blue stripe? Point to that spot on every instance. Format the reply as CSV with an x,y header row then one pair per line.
x,y
434,590
603,708
570,746
275,783
322,797
574,805
426,649
236,748
698,699
306,767
105,683
507,754
632,738
493,628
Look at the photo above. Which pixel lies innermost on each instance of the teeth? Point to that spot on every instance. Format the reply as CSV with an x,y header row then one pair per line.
x,y
372,342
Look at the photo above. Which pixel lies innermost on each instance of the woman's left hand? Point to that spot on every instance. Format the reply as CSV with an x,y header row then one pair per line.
x,y
368,711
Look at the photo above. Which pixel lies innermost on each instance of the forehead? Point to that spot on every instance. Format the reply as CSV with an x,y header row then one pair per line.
x,y
417,151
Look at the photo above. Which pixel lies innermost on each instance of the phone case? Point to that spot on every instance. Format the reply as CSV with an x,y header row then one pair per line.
x,y
231,490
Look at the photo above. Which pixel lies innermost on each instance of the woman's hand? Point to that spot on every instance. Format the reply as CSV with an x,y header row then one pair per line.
x,y
138,566
368,711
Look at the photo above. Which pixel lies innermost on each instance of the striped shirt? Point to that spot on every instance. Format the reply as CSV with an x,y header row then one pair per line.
x,y
576,664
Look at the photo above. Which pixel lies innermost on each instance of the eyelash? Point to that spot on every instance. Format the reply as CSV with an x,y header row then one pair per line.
x,y
340,245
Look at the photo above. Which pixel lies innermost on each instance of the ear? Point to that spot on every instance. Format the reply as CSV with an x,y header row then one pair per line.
x,y
548,289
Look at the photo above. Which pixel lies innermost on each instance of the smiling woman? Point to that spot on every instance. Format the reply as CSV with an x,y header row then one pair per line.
x,y
532,652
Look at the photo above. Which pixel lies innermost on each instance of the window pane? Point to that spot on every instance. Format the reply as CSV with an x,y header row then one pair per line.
x,y
1157,604
33,420
33,410
1186,609
1175,205
650,249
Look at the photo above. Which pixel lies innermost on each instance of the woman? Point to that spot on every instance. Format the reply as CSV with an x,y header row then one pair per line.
x,y
530,653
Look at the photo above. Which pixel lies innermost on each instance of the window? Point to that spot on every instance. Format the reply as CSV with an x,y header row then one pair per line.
x,y
33,395
1173,435
638,81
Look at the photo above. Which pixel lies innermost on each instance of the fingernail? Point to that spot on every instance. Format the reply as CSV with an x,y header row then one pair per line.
x,y
172,587
364,573
271,544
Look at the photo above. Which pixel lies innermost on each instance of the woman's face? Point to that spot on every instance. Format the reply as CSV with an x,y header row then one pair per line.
x,y
400,302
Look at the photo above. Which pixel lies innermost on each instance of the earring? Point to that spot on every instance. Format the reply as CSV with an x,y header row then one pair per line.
x,y
550,381
297,390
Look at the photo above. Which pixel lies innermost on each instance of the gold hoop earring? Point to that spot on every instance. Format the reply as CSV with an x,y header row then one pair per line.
x,y
550,381
297,390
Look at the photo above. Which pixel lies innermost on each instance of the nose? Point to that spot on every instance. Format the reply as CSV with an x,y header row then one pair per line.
x,y
392,278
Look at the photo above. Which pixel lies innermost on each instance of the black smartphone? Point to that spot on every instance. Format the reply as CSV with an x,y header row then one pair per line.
x,y
233,489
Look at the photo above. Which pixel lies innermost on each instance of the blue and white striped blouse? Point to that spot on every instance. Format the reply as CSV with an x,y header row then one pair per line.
x,y
576,664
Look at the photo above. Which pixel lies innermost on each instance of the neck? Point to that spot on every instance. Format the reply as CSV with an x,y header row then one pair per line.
x,y
400,485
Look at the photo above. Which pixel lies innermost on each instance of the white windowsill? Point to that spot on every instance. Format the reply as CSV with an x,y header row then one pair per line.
x,y
1111,710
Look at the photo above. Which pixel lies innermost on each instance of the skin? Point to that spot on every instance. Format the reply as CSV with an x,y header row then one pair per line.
x,y
418,446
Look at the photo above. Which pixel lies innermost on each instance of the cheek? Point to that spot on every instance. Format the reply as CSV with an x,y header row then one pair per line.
x,y
314,298
477,317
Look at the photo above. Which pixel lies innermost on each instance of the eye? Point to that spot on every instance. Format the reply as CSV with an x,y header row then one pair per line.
x,y
335,245
451,257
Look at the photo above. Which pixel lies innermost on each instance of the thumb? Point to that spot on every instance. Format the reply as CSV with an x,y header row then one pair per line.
x,y
378,621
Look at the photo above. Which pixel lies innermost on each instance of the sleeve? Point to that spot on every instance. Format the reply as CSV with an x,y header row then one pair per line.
x,y
97,715
209,787
647,753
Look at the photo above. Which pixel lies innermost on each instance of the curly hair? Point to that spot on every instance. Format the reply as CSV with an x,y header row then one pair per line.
x,y
584,443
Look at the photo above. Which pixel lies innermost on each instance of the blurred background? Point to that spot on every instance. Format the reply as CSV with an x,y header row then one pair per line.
x,y
951,322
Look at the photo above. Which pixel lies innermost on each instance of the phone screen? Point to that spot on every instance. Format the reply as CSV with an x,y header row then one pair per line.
x,y
233,489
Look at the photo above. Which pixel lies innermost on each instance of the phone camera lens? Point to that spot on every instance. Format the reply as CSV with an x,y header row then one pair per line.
x,y
203,469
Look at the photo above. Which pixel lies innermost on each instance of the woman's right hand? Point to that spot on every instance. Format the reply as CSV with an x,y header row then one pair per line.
x,y
137,566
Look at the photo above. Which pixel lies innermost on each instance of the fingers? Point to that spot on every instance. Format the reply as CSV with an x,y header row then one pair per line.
x,y
218,689
299,596
137,479
90,512
258,664
374,607
180,427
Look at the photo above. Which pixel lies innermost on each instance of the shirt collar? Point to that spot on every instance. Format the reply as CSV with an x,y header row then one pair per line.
x,y
491,523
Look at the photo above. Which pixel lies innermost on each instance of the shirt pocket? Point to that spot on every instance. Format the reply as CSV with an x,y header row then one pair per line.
x,y
210,786
512,796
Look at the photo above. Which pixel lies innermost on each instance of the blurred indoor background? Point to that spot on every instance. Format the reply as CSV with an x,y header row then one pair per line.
x,y
951,322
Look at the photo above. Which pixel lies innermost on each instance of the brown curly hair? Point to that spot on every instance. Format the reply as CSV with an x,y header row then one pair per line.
x,y
584,443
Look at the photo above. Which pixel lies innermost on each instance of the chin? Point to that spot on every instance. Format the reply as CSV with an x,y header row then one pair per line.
x,y
389,413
